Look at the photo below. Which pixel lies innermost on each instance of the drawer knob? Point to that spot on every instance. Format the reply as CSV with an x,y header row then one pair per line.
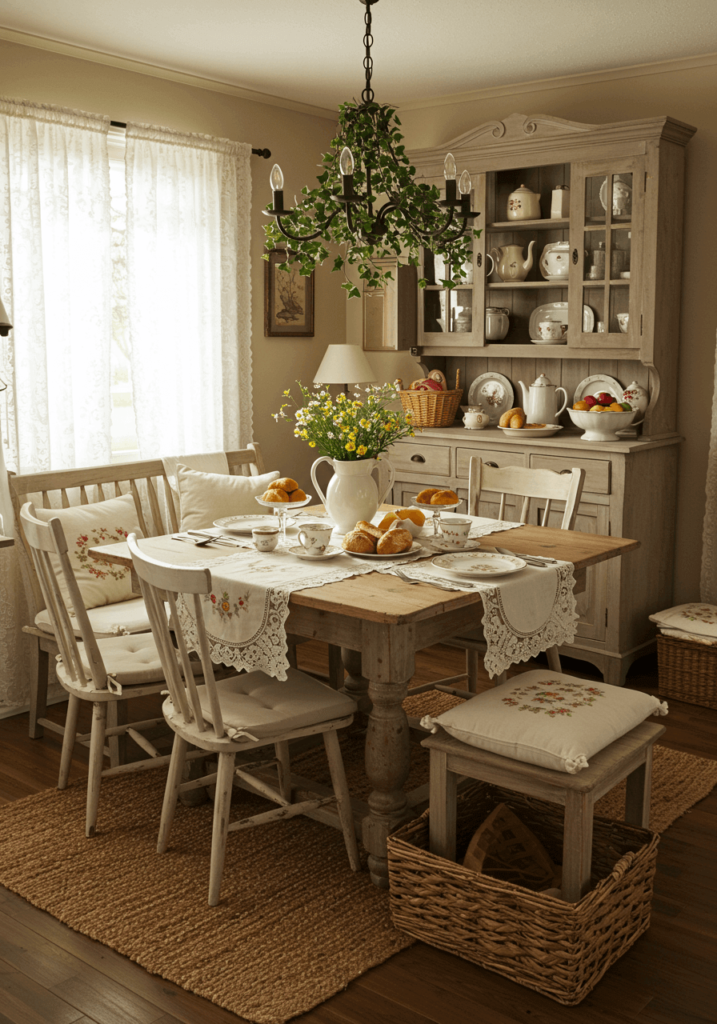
x,y
493,464
418,458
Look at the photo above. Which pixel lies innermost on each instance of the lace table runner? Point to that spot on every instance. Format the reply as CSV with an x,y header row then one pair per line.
x,y
247,610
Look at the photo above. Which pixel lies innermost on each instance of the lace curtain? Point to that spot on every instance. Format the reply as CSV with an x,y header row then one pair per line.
x,y
188,290
708,580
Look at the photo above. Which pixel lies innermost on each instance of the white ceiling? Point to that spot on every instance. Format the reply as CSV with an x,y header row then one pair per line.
x,y
311,50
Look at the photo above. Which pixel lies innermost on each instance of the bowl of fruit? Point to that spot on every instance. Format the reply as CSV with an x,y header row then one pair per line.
x,y
601,416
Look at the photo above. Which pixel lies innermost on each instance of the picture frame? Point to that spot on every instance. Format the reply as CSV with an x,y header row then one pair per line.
x,y
288,299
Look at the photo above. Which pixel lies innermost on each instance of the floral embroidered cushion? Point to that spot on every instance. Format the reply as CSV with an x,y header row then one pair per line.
x,y
695,619
204,497
547,718
85,526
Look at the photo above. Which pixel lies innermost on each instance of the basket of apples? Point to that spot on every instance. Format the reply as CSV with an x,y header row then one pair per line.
x,y
601,416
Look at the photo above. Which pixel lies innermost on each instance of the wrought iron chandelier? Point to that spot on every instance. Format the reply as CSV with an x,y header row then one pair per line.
x,y
340,210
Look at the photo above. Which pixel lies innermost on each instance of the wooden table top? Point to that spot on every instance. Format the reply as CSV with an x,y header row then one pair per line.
x,y
383,597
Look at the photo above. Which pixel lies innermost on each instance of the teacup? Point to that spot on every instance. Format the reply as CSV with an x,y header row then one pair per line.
x,y
314,537
550,330
623,320
454,532
265,537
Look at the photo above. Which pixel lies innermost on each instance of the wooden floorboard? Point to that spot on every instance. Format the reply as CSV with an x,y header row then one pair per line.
x,y
52,975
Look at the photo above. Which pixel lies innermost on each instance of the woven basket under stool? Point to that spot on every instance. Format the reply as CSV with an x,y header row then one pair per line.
x,y
433,408
687,671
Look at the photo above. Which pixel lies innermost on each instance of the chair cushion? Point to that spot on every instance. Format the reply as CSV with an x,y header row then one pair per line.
x,y
204,497
548,718
264,706
103,522
132,660
693,619
107,619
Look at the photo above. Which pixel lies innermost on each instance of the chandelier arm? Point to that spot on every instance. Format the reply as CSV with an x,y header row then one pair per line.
x,y
454,238
305,238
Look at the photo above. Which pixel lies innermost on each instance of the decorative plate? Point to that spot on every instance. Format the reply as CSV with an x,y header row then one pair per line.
x,y
546,431
413,550
588,320
245,524
556,311
285,504
481,566
330,552
494,392
436,508
597,383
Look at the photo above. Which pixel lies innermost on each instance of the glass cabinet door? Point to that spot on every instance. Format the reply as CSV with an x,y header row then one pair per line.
x,y
606,231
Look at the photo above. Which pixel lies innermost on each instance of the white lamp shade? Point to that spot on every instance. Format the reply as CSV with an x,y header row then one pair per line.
x,y
344,364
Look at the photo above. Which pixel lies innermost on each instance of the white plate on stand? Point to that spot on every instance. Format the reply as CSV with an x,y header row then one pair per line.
x,y
330,552
478,567
597,383
285,505
495,393
245,524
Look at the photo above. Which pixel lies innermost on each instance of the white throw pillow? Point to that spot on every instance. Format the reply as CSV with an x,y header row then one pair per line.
x,y
697,618
204,497
548,718
86,526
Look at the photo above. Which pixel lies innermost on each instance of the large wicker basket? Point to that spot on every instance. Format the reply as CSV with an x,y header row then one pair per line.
x,y
559,949
433,408
687,671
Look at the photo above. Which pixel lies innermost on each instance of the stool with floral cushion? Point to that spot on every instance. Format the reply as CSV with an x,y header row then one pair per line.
x,y
535,734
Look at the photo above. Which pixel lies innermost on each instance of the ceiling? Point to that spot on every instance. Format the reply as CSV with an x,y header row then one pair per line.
x,y
311,51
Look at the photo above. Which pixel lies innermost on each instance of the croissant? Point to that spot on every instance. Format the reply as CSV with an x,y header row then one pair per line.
x,y
505,419
394,542
359,542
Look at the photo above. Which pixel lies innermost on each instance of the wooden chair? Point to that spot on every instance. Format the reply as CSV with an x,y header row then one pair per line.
x,y
628,757
224,717
103,671
529,484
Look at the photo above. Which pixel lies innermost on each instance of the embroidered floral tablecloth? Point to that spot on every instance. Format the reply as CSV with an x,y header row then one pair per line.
x,y
246,612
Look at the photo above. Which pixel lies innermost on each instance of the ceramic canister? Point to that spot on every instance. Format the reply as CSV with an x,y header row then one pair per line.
x,y
523,204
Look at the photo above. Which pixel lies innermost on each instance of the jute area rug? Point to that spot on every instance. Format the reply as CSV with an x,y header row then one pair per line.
x,y
295,924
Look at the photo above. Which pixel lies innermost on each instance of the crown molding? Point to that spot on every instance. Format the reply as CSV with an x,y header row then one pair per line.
x,y
154,71
565,81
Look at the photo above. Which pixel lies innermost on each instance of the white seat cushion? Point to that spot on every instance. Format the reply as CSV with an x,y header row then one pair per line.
x,y
107,619
131,660
547,718
264,706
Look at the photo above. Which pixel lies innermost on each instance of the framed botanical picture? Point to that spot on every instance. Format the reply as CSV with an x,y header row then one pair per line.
x,y
288,300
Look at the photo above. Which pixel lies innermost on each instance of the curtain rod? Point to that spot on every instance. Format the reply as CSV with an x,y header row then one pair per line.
x,y
266,153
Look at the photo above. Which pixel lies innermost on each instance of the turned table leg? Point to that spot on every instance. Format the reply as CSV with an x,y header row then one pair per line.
x,y
388,659
355,684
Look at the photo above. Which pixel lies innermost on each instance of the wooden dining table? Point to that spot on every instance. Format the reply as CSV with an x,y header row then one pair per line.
x,y
380,622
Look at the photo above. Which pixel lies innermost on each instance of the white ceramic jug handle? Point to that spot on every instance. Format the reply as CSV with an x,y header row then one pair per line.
x,y
324,458
492,259
565,403
391,478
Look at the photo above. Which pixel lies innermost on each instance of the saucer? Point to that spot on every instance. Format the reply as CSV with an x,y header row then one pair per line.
x,y
300,553
470,545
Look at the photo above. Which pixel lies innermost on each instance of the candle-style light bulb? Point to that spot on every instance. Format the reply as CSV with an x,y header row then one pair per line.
x,y
276,179
346,161
464,185
449,167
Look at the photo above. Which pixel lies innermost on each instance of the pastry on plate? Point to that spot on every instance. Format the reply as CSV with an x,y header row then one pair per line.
x,y
359,542
297,495
274,494
424,498
393,542
286,483
446,497
369,528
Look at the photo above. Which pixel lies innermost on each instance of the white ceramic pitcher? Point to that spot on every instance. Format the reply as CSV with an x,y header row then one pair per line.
x,y
352,494
540,401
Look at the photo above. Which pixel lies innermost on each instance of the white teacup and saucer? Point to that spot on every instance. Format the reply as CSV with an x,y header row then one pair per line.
x,y
453,535
314,541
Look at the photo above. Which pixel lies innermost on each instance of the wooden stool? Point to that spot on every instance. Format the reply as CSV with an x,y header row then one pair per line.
x,y
629,757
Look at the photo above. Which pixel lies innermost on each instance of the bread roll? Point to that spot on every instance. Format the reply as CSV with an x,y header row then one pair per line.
x,y
286,484
274,494
297,495
360,542
425,496
370,529
517,420
444,498
393,542
505,419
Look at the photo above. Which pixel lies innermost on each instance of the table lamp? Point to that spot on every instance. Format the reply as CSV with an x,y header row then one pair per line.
x,y
344,364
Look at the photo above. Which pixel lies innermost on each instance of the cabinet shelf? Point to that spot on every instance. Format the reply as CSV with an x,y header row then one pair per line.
x,y
545,224
529,284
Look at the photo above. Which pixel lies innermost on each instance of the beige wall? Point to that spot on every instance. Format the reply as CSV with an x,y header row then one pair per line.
x,y
295,140
689,96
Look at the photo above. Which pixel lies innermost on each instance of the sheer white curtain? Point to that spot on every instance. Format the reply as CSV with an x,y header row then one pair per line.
x,y
56,279
188,290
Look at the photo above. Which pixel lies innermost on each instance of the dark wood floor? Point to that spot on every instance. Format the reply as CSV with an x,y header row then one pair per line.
x,y
51,975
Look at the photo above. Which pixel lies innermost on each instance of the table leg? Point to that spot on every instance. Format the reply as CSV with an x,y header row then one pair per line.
x,y
355,683
637,797
388,659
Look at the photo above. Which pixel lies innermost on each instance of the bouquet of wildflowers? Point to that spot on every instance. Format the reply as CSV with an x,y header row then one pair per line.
x,y
347,428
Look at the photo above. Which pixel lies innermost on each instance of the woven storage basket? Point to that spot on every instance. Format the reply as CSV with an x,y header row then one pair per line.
x,y
433,408
687,671
558,949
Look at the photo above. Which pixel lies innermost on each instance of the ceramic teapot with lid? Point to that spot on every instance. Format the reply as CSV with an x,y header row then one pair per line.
x,y
554,262
523,204
508,261
540,400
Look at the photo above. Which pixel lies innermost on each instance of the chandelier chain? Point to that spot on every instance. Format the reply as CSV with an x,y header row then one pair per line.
x,y
367,94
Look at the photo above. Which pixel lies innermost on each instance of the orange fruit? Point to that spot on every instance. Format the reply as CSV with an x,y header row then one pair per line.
x,y
414,514
388,519
583,406
615,407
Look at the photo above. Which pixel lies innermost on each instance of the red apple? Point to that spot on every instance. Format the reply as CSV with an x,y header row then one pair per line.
x,y
590,401
605,399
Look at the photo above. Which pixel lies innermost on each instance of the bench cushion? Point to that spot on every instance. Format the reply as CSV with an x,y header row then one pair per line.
x,y
102,522
264,706
204,497
108,619
547,718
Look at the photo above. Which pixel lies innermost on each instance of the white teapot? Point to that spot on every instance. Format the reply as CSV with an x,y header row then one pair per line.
x,y
523,204
637,397
540,401
555,261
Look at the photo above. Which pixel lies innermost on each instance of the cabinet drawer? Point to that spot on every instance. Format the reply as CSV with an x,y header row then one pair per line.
x,y
499,456
427,460
597,472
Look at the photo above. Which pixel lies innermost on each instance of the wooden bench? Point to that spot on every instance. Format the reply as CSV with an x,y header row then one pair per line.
x,y
157,512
